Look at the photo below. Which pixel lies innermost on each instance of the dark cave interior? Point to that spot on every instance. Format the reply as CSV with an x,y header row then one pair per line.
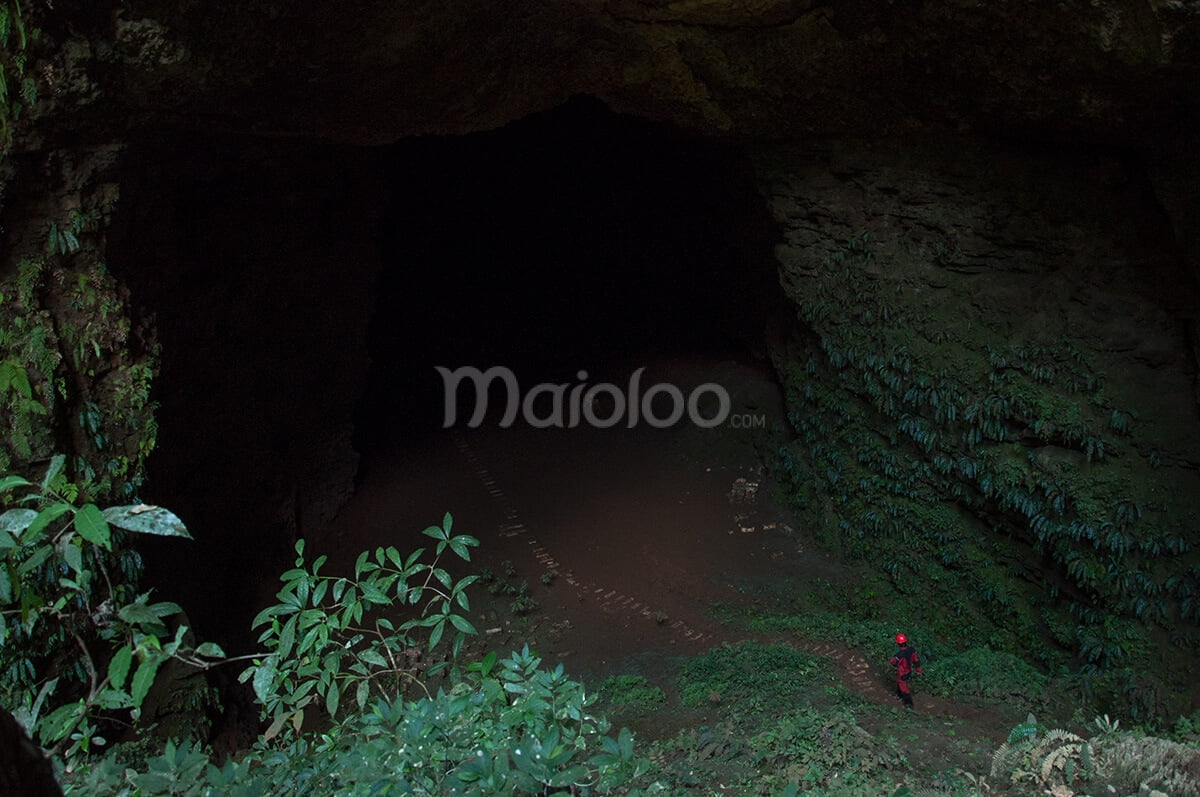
x,y
574,239
305,291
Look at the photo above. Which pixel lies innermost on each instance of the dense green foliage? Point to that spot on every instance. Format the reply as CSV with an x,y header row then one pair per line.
x,y
775,718
75,373
81,649
18,89
322,638
77,640
503,727
752,675
1037,758
995,481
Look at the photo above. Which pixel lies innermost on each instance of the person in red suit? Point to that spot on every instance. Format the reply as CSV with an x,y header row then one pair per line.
x,y
906,663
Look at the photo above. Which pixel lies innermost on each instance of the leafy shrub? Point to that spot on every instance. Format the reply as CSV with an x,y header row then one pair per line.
x,y
505,727
77,641
820,748
986,673
631,694
753,674
327,634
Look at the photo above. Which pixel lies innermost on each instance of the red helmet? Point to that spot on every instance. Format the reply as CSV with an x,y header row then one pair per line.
x,y
901,639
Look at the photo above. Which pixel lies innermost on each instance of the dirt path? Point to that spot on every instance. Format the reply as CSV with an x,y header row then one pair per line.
x,y
632,588
641,531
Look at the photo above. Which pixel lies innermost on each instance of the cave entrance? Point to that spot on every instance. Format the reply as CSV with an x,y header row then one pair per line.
x,y
574,248
306,293
573,240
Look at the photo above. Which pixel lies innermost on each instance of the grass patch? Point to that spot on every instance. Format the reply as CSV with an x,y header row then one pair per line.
x,y
986,673
777,721
631,695
753,677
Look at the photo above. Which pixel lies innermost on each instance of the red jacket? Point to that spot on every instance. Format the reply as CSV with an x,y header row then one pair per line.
x,y
906,662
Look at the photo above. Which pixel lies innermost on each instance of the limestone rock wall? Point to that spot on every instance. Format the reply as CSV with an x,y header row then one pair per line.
x,y
991,376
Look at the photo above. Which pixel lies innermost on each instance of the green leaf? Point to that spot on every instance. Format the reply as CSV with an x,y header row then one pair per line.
x,y
113,699
447,523
165,608
373,657
311,638
625,740
20,382
210,650
435,635
6,595
144,519
29,720
118,667
462,624
137,614
60,722
91,525
332,698
14,522
45,517
173,646
276,726
576,774
35,561
143,679
264,678
435,532
287,637
9,482
73,555
266,614
372,594
362,693
56,466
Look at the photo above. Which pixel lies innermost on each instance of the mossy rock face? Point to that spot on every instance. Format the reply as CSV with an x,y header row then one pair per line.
x,y
977,420
76,368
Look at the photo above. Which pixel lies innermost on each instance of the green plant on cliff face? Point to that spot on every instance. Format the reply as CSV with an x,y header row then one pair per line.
x,y
962,464
18,90
72,355
22,410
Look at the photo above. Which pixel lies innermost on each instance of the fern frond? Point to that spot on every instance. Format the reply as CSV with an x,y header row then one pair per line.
x,y
1059,759
1000,759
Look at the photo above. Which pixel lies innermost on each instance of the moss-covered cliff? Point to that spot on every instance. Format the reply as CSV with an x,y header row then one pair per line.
x,y
992,384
